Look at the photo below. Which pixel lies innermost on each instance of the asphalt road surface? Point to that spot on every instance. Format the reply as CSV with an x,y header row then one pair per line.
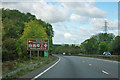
x,y
82,67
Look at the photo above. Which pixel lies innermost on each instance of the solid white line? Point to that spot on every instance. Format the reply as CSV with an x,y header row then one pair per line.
x,y
105,72
46,70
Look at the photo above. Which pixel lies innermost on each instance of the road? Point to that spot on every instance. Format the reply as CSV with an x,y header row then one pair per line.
x,y
82,67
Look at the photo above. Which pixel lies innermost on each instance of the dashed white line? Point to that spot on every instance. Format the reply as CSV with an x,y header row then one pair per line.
x,y
83,61
108,60
105,72
90,64
46,70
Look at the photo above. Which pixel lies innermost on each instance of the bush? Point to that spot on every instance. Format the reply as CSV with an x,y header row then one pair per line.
x,y
9,49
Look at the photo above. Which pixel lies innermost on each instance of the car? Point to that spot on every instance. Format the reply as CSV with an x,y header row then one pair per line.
x,y
69,54
80,54
106,53
64,53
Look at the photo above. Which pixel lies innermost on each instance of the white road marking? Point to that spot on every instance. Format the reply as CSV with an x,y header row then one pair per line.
x,y
46,70
102,60
108,60
105,72
90,64
83,61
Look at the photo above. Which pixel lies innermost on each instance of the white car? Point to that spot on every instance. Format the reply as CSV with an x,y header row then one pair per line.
x,y
63,53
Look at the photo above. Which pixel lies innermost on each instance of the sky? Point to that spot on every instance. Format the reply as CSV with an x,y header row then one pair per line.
x,y
73,21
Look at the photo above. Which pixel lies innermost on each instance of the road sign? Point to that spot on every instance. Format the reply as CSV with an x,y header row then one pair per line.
x,y
45,53
38,44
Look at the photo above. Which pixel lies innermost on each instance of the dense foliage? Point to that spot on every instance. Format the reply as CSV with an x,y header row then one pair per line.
x,y
67,49
97,44
17,27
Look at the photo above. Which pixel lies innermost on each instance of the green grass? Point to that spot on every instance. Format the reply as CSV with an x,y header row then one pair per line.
x,y
22,72
10,66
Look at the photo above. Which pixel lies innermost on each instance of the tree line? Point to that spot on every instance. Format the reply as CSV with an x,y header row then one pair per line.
x,y
66,48
96,44
17,27
102,42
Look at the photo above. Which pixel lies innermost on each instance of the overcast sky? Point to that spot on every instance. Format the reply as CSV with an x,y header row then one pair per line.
x,y
73,21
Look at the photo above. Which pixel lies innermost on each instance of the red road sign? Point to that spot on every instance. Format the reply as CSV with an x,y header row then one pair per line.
x,y
38,44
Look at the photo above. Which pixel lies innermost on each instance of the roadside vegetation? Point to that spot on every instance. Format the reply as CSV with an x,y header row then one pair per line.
x,y
96,45
17,27
10,66
106,57
41,62
102,42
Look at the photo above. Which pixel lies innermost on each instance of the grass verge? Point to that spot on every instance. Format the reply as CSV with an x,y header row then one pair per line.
x,y
102,57
23,72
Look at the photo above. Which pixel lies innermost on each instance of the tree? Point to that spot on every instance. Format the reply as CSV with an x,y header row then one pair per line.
x,y
9,49
19,27
32,30
103,47
97,43
90,46
116,45
104,37
49,31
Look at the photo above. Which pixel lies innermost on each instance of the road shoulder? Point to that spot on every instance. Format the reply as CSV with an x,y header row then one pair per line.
x,y
37,71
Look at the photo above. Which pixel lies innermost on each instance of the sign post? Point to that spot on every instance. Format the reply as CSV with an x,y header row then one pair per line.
x,y
30,54
38,55
38,45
